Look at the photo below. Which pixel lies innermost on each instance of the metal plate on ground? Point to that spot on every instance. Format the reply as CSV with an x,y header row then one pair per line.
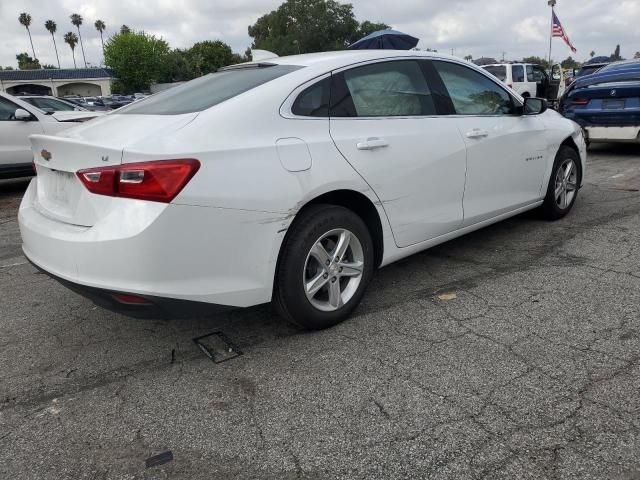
x,y
217,347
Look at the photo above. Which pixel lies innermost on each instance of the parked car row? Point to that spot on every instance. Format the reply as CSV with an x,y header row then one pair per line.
x,y
102,103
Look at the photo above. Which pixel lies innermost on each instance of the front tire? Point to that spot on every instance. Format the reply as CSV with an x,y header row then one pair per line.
x,y
324,268
564,183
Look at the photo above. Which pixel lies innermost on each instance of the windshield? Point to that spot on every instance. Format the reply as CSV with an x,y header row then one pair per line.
x,y
205,92
588,70
50,104
498,71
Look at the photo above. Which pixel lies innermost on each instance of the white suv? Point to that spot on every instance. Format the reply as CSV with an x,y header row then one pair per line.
x,y
529,80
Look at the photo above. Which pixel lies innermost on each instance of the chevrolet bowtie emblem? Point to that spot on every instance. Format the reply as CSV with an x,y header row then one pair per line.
x,y
46,155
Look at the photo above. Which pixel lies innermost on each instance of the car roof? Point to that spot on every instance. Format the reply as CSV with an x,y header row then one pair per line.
x,y
333,60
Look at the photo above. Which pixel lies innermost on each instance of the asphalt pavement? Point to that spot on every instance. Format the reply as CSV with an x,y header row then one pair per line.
x,y
513,352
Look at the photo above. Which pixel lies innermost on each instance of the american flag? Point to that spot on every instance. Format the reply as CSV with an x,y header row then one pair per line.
x,y
558,31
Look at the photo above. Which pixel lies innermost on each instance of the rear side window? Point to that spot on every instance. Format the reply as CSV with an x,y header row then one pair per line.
x,y
517,72
205,92
386,89
498,71
314,100
472,93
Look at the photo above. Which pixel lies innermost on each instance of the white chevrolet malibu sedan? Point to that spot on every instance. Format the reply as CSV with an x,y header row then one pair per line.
x,y
290,181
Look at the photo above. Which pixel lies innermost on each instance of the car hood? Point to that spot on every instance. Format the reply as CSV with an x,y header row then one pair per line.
x,y
74,116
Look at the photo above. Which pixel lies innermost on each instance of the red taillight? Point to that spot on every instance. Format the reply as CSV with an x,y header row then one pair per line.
x,y
130,299
579,101
157,181
33,164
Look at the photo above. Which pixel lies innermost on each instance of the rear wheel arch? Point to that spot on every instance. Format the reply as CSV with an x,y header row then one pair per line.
x,y
358,203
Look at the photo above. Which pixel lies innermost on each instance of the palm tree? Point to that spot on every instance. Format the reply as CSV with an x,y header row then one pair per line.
x,y
25,20
76,19
51,26
592,53
100,26
72,40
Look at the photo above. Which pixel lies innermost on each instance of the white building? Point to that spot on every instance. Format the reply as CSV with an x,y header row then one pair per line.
x,y
57,82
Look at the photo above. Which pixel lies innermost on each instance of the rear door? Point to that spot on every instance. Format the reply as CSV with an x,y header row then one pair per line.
x,y
385,121
14,135
505,150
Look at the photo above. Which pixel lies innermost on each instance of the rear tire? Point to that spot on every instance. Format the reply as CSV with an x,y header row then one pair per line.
x,y
325,265
564,184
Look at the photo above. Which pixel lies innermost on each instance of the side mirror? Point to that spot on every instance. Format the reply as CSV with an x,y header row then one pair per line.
x,y
22,114
534,106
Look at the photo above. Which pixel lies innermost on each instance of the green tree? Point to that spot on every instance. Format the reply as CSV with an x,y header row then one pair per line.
x,y
176,67
25,62
206,57
51,27
637,55
592,53
367,28
303,26
71,39
537,60
569,63
100,27
76,19
468,58
48,66
615,56
124,29
136,58
25,21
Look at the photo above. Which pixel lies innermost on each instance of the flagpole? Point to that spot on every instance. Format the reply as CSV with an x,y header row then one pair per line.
x,y
552,4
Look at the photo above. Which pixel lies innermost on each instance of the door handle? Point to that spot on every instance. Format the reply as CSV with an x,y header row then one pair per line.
x,y
476,133
372,143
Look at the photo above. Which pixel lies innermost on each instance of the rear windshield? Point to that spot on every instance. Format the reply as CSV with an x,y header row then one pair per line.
x,y
50,104
588,70
205,92
498,71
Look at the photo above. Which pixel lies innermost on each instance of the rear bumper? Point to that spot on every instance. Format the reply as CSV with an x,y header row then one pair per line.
x,y
157,307
196,254
630,134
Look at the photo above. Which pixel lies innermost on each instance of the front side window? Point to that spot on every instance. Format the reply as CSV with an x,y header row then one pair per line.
x,y
7,110
538,74
205,92
530,76
517,72
386,89
472,93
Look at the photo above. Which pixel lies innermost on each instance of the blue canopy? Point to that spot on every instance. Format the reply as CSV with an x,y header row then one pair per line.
x,y
385,39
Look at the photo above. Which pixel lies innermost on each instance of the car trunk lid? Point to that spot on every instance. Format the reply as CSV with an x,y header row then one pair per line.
x,y
99,143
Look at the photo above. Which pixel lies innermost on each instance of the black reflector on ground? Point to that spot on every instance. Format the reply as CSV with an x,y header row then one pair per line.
x,y
217,347
160,459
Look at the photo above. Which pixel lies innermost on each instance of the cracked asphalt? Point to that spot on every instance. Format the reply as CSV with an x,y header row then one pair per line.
x,y
531,371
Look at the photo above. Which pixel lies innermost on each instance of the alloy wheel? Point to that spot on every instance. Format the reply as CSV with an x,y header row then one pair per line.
x,y
333,270
566,184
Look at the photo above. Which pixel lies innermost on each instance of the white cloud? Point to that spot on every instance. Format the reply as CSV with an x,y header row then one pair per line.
x,y
476,27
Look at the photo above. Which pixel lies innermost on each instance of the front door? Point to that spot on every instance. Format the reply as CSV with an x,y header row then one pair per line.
x,y
385,122
505,150
15,147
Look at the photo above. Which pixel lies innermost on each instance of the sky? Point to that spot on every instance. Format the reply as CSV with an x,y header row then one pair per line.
x,y
465,27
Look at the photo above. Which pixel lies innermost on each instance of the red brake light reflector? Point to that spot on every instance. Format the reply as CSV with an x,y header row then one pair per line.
x,y
156,181
130,299
579,101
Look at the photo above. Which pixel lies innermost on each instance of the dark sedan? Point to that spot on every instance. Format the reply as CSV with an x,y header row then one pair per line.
x,y
606,103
